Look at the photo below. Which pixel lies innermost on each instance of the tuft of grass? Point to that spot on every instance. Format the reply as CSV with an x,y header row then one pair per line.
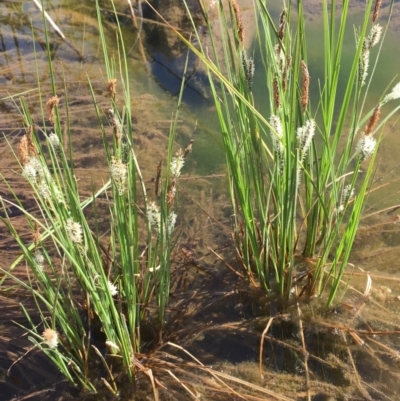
x,y
299,172
95,285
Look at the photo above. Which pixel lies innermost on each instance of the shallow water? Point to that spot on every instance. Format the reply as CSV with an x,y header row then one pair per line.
x,y
231,342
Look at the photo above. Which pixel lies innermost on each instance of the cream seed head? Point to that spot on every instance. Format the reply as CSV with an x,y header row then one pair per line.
x,y
58,194
363,66
366,146
32,168
39,258
280,58
277,136
50,338
118,171
55,142
171,222
153,215
74,231
248,68
176,165
112,288
371,40
276,125
394,94
44,190
29,172
347,194
375,35
304,136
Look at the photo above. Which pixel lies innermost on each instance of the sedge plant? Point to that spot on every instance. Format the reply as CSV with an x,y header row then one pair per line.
x,y
299,171
93,285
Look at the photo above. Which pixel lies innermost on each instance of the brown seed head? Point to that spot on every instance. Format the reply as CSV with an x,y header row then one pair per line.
x,y
112,87
36,235
239,24
305,77
282,25
373,120
284,80
375,15
31,146
51,105
171,193
26,146
117,131
188,148
277,97
116,126
23,150
158,178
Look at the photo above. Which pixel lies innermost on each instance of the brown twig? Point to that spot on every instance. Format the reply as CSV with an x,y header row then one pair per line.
x,y
225,262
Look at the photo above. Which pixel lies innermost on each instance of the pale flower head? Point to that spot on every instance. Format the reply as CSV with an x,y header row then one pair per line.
x,y
74,231
171,222
248,68
118,171
280,58
112,288
394,94
55,142
340,209
50,338
366,146
176,165
375,35
39,258
32,168
58,194
347,194
305,136
363,66
277,126
153,215
277,144
44,190
371,40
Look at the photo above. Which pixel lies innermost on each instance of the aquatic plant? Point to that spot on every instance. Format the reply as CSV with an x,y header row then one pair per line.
x,y
95,277
299,170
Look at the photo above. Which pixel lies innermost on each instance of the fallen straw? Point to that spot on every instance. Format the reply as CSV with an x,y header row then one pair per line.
x,y
49,19
57,29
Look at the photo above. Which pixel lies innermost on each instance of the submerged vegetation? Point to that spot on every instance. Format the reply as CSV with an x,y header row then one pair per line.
x,y
300,167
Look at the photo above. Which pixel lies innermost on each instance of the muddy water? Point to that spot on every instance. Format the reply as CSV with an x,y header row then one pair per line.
x,y
216,326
